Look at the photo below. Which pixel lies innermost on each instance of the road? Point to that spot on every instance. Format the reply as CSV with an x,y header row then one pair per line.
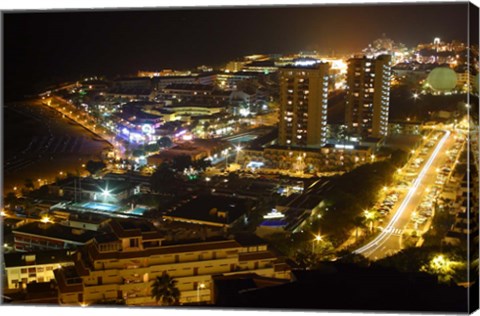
x,y
389,240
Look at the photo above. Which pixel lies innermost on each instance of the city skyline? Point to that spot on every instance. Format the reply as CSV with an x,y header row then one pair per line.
x,y
115,42
310,157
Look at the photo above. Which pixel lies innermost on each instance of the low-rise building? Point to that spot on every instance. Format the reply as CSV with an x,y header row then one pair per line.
x,y
124,265
43,236
329,157
210,210
24,268
94,189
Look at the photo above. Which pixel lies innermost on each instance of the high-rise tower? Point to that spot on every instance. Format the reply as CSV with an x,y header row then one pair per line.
x,y
303,105
368,96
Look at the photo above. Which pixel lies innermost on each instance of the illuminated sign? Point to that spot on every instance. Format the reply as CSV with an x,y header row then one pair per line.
x,y
345,146
273,214
147,129
305,62
255,164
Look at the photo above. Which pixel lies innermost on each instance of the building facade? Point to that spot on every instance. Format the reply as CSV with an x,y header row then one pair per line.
x,y
48,236
303,105
124,264
368,96
24,268
328,158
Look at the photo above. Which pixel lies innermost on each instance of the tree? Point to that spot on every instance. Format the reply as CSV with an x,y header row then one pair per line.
x,y
356,259
29,184
165,291
182,162
162,179
306,260
10,199
165,142
94,166
399,158
359,223
201,164
152,147
138,153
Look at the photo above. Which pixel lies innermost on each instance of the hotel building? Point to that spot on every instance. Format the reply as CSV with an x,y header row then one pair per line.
x,y
23,268
124,263
303,105
368,94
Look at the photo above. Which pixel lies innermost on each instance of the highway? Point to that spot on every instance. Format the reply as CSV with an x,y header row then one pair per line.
x,y
389,240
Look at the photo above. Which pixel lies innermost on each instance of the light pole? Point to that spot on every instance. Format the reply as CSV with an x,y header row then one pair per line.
x,y
317,239
226,158
370,216
200,286
238,149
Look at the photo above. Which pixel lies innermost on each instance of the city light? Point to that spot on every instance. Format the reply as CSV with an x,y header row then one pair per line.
x,y
383,236
200,286
188,163
106,192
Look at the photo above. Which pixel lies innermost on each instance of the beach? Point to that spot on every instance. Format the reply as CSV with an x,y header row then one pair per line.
x,y
40,144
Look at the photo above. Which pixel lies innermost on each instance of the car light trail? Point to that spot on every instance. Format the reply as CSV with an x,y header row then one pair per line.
x,y
383,236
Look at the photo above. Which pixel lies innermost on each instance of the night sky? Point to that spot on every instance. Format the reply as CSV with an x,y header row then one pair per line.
x,y
41,48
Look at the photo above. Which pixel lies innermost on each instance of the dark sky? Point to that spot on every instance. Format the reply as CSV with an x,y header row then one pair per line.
x,y
44,47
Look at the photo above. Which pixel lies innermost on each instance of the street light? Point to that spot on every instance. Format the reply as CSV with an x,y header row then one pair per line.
x,y
200,286
369,216
225,153
317,239
238,149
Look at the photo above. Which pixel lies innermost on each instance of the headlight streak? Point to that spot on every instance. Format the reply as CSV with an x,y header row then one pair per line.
x,y
383,236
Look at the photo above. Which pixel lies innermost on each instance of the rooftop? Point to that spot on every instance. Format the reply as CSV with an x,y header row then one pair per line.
x,y
190,87
98,185
56,231
211,208
36,258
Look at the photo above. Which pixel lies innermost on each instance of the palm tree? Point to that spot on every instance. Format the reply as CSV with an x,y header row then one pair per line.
x,y
371,217
164,290
358,222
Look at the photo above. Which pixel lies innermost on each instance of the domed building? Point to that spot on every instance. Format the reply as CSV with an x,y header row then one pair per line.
x,y
442,79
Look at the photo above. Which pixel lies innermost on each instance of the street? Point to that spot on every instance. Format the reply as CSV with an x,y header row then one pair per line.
x,y
389,241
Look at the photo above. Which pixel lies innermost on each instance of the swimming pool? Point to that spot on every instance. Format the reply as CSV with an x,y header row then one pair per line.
x,y
101,206
138,211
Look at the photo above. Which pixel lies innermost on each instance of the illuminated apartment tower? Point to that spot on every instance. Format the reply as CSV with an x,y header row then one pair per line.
x,y
303,105
368,94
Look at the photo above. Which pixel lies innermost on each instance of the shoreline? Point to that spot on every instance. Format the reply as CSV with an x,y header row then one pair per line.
x,y
48,156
